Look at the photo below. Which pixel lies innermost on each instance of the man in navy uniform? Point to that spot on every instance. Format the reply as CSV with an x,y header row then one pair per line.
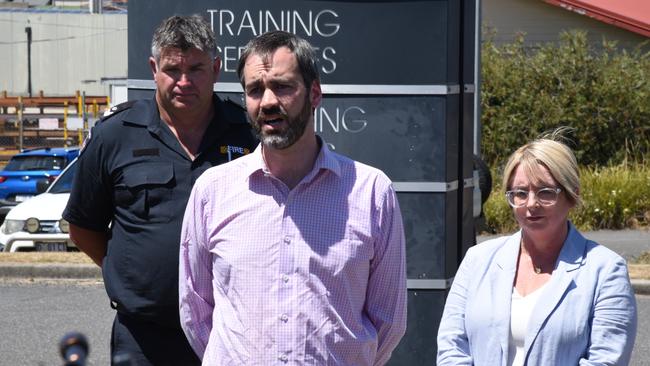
x,y
133,181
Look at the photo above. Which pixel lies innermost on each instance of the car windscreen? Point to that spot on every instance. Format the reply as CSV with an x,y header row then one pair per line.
x,y
35,162
64,183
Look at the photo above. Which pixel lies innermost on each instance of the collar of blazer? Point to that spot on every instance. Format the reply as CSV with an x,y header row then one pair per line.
x,y
571,258
571,255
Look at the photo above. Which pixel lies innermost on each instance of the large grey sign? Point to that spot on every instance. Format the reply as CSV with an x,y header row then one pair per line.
x,y
398,95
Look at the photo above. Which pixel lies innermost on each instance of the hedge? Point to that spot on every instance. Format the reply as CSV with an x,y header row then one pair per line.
x,y
602,92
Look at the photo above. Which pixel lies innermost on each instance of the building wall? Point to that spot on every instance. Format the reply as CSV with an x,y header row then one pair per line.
x,y
70,51
543,22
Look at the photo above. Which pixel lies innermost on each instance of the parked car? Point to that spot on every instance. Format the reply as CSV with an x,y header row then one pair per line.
x,y
36,224
19,177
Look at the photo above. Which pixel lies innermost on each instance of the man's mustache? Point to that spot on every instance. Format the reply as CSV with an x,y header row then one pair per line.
x,y
273,111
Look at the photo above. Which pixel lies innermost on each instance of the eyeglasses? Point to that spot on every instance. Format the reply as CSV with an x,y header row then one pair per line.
x,y
545,196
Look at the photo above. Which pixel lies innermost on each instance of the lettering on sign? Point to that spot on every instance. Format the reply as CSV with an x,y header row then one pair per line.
x,y
248,24
339,120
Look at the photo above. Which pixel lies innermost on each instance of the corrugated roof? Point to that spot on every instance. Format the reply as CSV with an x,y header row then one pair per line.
x,y
633,15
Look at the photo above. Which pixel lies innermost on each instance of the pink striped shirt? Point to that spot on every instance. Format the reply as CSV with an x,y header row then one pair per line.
x,y
309,276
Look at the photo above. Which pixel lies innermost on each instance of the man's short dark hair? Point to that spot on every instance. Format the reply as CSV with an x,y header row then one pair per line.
x,y
266,44
184,32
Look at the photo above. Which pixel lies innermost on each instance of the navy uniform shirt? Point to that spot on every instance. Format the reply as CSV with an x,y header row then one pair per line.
x,y
133,181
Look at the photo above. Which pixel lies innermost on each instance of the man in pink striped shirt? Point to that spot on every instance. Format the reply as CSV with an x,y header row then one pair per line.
x,y
293,254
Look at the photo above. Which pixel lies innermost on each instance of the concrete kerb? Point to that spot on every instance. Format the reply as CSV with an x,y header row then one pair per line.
x,y
92,272
641,287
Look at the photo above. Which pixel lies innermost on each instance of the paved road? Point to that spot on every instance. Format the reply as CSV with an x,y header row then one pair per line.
x,y
34,316
627,243
641,355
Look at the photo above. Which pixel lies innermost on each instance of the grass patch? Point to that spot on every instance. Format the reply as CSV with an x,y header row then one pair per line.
x,y
644,258
45,257
639,267
639,271
615,197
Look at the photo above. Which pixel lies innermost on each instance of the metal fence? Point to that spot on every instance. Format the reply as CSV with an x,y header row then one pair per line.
x,y
35,122
36,132
29,134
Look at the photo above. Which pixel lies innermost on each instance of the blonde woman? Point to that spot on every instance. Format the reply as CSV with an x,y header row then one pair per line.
x,y
544,295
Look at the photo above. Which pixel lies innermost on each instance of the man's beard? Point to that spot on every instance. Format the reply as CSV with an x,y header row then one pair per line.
x,y
295,126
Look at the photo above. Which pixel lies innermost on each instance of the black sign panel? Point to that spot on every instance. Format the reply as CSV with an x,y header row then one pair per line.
x,y
410,135
386,42
418,347
430,228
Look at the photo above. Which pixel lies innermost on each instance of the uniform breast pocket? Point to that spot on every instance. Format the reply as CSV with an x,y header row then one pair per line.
x,y
145,191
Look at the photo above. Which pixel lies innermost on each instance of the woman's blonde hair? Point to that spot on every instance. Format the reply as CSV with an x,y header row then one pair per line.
x,y
553,154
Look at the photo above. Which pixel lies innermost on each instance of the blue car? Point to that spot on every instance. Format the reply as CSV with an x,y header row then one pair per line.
x,y
19,178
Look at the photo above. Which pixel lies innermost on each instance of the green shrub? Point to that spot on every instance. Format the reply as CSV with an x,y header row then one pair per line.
x,y
603,93
615,197
498,214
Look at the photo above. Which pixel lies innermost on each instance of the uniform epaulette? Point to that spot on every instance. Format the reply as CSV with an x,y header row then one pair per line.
x,y
235,104
118,108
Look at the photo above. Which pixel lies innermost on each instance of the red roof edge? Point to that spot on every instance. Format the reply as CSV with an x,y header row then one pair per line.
x,y
604,15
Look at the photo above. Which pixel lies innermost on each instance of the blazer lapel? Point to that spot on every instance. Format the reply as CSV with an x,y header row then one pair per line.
x,y
568,262
504,276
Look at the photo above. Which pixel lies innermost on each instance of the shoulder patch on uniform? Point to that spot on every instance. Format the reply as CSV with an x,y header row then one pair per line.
x,y
233,152
85,141
118,108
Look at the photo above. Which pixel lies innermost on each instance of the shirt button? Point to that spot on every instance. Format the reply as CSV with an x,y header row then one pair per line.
x,y
285,278
287,240
284,318
283,358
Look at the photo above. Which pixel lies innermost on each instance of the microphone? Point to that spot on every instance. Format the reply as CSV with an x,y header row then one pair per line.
x,y
74,349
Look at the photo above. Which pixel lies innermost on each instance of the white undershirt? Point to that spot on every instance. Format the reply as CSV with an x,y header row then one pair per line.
x,y
520,311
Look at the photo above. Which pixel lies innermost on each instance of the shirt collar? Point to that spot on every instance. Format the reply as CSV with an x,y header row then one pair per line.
x,y
326,160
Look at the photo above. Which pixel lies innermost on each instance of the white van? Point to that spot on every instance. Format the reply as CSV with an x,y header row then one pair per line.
x,y
36,224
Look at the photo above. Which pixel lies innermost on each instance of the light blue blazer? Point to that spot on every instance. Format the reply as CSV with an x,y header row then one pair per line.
x,y
586,314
